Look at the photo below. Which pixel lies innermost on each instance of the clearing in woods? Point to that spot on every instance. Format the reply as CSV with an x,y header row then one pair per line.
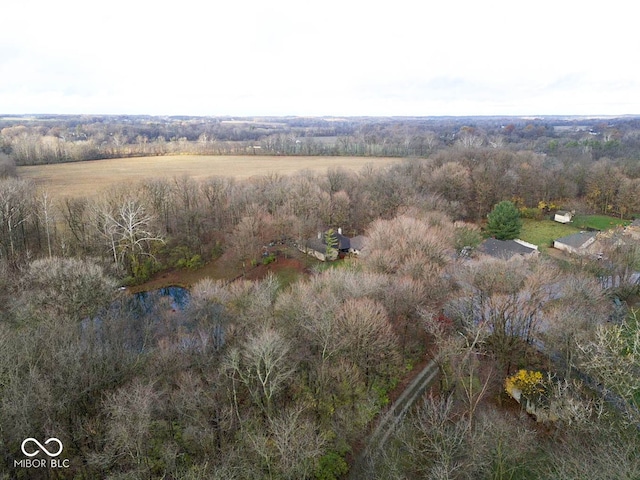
x,y
87,178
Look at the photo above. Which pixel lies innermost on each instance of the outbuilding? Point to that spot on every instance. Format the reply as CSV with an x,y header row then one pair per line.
x,y
577,243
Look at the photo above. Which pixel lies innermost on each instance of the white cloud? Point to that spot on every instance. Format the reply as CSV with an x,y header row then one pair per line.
x,y
346,58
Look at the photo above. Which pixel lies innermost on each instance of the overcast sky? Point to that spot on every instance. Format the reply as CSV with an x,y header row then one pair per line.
x,y
342,57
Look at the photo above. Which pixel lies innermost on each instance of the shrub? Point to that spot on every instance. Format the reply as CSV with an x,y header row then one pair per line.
x,y
533,213
268,259
331,467
526,382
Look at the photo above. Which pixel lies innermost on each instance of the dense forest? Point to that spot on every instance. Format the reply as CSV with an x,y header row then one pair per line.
x,y
285,377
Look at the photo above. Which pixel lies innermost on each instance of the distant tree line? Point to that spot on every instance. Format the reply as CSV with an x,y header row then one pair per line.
x,y
52,139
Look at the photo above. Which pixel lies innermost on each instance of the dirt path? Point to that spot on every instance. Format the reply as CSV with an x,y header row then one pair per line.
x,y
389,420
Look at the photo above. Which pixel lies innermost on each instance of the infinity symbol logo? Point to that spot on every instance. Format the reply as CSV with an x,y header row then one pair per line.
x,y
41,447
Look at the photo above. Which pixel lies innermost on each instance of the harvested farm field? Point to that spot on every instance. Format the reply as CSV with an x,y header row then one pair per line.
x,y
87,178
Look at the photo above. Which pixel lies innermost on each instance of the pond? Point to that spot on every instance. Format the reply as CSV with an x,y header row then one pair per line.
x,y
144,320
179,297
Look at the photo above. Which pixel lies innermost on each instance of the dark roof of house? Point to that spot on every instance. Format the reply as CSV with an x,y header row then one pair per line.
x,y
343,242
577,239
317,244
320,244
504,248
358,242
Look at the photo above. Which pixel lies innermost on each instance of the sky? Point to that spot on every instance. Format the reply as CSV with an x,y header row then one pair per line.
x,y
330,58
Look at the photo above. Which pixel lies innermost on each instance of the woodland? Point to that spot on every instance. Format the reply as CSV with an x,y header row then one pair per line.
x,y
285,377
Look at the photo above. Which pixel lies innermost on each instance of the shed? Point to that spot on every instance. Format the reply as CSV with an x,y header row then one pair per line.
x,y
576,243
563,216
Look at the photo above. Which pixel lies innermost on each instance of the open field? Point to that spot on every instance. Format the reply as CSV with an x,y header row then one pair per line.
x,y
88,178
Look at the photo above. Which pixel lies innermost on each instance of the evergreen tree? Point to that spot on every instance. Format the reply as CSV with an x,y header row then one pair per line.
x,y
331,240
504,221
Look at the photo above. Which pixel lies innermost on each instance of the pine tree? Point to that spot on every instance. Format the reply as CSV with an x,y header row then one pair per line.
x,y
331,240
504,221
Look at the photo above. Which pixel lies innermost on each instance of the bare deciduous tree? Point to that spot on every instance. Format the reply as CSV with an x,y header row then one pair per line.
x,y
263,366
127,231
130,413
613,358
370,341
15,210
7,166
68,286
507,297
298,445
407,245
45,210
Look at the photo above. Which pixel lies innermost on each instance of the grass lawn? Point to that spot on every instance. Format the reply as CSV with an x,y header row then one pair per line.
x,y
544,232
599,222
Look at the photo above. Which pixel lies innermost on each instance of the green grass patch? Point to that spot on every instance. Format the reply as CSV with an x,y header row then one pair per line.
x,y
287,276
599,222
543,232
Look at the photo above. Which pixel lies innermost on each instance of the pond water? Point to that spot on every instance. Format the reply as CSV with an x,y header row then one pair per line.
x,y
145,319
179,297
181,331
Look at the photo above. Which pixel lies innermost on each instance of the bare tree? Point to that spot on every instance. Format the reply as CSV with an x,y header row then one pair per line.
x,y
217,192
370,341
438,442
408,246
618,269
130,413
158,193
15,210
507,297
298,445
127,231
77,213
7,166
70,286
187,201
573,317
46,212
255,229
627,198
613,358
263,366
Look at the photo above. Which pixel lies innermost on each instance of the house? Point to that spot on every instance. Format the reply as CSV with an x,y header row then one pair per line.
x,y
577,243
342,245
563,216
506,249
